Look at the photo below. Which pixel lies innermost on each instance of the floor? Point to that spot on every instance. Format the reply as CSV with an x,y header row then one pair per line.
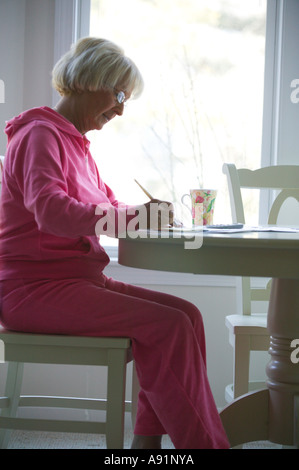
x,y
45,440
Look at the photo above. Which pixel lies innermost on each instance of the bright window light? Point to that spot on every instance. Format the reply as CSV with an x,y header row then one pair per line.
x,y
203,67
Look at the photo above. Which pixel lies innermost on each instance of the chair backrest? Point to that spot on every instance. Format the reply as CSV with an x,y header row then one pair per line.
x,y
284,181
284,178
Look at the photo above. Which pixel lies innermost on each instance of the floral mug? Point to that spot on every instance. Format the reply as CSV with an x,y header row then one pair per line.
x,y
202,206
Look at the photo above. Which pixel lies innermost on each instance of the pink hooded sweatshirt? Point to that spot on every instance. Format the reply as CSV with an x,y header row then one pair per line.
x,y
51,189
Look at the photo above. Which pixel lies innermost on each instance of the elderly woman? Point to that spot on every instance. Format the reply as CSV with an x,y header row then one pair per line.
x,y
52,261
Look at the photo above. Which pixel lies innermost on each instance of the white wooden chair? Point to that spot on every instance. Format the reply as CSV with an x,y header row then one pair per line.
x,y
20,348
248,330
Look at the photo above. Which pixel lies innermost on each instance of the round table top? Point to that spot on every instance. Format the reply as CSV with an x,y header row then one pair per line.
x,y
252,253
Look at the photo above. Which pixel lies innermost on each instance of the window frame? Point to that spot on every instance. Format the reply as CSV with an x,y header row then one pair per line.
x,y
71,23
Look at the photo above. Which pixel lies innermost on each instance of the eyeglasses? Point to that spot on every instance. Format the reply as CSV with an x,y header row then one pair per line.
x,y
120,96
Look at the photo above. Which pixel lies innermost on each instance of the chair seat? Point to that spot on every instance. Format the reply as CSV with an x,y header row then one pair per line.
x,y
10,336
60,349
20,348
247,324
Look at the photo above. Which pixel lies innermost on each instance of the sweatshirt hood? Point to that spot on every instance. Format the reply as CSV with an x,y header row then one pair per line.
x,y
42,114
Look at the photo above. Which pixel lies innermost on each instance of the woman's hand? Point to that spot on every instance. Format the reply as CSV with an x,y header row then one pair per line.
x,y
159,214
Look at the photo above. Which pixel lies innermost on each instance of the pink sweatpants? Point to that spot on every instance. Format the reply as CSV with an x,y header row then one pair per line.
x,y
168,346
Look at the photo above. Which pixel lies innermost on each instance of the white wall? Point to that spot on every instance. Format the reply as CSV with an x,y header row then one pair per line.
x,y
26,56
12,31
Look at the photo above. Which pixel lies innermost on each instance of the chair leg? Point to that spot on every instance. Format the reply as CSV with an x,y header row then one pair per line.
x,y
12,391
135,393
116,398
241,364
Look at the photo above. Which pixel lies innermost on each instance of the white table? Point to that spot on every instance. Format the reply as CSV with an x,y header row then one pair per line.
x,y
270,414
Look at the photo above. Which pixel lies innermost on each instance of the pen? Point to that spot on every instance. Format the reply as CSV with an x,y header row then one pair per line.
x,y
144,190
176,222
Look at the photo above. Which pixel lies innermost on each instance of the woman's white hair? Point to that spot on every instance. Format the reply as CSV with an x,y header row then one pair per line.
x,y
94,63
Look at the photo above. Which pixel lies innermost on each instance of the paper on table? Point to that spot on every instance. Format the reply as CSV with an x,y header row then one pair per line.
x,y
248,228
231,228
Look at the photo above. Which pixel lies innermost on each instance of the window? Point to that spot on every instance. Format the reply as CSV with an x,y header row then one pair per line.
x,y
203,66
